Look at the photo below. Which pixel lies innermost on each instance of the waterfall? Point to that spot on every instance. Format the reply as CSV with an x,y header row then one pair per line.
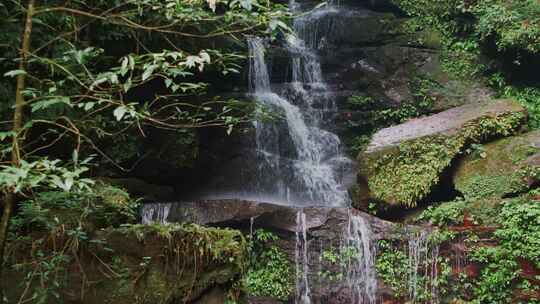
x,y
301,164
155,213
361,274
302,260
422,261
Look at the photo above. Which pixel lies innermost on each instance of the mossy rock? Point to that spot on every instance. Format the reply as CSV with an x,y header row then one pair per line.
x,y
135,264
498,168
402,164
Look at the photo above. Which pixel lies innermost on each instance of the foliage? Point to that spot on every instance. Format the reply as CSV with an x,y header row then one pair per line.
x,y
447,214
502,31
270,272
46,174
509,23
100,70
518,240
68,219
334,262
101,207
392,268
506,258
527,95
395,268
96,77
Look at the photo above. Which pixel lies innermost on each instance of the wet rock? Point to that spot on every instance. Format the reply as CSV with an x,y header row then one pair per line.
x,y
497,168
239,213
403,163
328,233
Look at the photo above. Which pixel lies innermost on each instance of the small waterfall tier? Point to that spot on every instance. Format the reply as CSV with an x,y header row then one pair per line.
x,y
299,162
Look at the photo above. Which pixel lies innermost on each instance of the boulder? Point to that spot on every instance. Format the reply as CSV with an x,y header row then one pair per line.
x,y
499,168
403,163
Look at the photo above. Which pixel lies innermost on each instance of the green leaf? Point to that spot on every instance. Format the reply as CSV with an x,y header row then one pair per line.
x,y
120,112
15,73
4,135
148,72
44,104
88,106
124,67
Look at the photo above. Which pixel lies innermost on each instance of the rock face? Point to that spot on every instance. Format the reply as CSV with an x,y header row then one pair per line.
x,y
403,163
380,61
499,168
314,239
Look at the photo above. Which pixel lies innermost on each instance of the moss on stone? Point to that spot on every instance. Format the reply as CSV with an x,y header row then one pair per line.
x,y
141,264
501,168
407,173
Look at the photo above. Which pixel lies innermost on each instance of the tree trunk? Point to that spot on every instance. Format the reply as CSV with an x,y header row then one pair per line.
x,y
10,198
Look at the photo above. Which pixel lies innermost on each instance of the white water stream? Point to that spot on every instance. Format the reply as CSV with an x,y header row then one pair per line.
x,y
309,174
361,273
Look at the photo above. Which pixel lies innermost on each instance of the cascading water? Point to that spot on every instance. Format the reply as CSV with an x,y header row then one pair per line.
x,y
309,174
361,274
422,263
155,213
302,260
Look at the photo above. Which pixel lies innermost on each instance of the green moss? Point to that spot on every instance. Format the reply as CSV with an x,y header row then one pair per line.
x,y
499,170
488,186
408,173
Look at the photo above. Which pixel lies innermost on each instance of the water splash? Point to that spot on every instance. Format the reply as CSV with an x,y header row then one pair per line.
x,y
302,260
155,213
361,273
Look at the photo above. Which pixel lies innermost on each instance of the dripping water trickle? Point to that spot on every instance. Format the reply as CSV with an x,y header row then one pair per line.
x,y
155,213
301,260
361,274
422,263
251,223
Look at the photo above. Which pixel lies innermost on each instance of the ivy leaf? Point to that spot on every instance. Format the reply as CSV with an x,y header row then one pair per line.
x,y
205,57
127,85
